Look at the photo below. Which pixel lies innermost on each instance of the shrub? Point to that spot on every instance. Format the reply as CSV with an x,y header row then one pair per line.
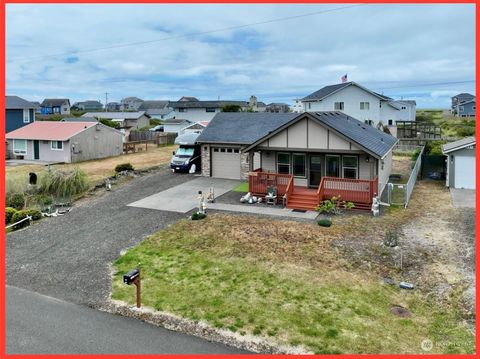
x,y
43,200
197,215
324,222
155,122
35,214
64,183
16,200
124,167
415,154
9,212
334,205
109,123
391,238
18,216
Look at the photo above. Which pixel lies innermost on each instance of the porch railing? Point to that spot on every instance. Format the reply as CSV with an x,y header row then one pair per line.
x,y
289,190
259,182
352,190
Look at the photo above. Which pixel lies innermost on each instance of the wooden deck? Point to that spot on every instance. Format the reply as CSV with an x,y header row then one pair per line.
x,y
360,192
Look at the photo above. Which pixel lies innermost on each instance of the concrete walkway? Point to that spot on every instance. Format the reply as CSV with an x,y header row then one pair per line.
x,y
184,197
463,197
260,209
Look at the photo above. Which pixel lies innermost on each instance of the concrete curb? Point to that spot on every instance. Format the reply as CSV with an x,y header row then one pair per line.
x,y
201,329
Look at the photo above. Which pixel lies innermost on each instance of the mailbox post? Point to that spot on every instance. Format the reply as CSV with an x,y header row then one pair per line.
x,y
133,277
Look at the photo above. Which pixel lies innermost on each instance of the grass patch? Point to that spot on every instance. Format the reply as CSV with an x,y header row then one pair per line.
x,y
285,280
242,187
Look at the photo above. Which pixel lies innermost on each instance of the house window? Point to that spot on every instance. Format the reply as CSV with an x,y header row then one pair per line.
x,y
461,108
339,105
56,145
182,110
474,108
299,164
20,147
332,167
283,163
26,116
309,105
404,108
390,122
364,105
350,167
210,109
368,122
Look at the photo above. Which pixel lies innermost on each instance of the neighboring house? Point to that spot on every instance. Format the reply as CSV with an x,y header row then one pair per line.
x,y
277,107
466,109
196,111
55,106
297,106
36,106
79,119
460,163
127,120
361,103
114,106
323,154
460,98
176,125
90,105
130,103
255,105
157,109
196,127
18,113
187,99
57,141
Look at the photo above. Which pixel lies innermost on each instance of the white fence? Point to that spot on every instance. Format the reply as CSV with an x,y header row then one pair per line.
x,y
400,193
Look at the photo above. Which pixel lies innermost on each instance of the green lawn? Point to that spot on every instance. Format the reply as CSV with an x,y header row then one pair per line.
x,y
451,126
242,187
284,280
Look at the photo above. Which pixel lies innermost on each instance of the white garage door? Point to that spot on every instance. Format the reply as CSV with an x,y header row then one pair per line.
x,y
465,172
226,162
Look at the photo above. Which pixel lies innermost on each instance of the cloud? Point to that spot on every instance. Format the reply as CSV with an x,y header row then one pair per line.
x,y
390,48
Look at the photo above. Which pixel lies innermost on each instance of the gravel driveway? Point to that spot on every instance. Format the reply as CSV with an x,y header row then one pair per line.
x,y
68,257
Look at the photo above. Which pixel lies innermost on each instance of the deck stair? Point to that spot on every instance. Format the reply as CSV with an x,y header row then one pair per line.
x,y
303,198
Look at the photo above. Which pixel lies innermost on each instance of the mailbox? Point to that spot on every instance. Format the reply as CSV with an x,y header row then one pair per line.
x,y
131,276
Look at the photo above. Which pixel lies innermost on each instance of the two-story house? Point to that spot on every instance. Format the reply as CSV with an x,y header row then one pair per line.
x,y
55,106
130,103
89,105
463,105
195,110
18,113
158,109
361,103
460,98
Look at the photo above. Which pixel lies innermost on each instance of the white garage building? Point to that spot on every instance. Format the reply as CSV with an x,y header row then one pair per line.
x,y
460,163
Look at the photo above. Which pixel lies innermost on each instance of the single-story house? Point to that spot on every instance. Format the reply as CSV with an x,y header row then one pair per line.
x,y
89,105
176,125
128,120
307,156
157,109
460,163
18,113
56,141
55,106
196,127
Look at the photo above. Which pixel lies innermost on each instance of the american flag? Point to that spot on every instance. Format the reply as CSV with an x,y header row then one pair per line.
x,y
344,78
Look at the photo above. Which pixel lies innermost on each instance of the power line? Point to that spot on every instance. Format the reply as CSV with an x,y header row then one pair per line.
x,y
427,84
26,59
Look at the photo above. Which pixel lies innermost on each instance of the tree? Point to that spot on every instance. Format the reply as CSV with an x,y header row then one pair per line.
x,y
231,108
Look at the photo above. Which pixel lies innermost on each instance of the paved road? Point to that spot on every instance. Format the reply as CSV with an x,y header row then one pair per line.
x,y
68,257
44,325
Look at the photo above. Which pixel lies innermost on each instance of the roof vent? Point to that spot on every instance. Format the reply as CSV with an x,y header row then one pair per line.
x,y
381,139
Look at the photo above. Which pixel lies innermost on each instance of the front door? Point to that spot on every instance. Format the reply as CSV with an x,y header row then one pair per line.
x,y
315,172
36,150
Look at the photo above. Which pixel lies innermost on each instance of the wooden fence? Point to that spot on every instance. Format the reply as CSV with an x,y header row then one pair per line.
x,y
159,138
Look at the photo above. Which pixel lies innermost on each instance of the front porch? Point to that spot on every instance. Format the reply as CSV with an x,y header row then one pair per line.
x,y
358,191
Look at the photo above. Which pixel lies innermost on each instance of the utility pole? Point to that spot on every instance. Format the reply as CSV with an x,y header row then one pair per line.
x,y
106,101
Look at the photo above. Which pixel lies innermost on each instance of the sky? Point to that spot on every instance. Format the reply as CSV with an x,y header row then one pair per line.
x,y
230,52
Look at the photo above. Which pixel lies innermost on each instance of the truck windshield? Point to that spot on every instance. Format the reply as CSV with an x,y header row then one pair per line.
x,y
184,151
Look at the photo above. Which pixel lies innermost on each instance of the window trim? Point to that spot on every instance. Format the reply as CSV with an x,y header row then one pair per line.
x,y
363,107
357,168
304,175
56,148
27,112
284,164
341,105
339,165
23,152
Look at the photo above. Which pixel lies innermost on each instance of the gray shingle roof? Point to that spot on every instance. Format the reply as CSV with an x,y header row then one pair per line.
x,y
464,142
48,102
110,115
204,104
368,137
176,121
15,103
147,105
79,119
464,95
328,90
243,127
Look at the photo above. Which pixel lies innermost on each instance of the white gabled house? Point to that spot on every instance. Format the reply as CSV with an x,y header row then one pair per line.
x,y
361,103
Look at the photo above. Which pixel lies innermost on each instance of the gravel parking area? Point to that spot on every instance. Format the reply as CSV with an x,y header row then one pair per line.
x,y
68,257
